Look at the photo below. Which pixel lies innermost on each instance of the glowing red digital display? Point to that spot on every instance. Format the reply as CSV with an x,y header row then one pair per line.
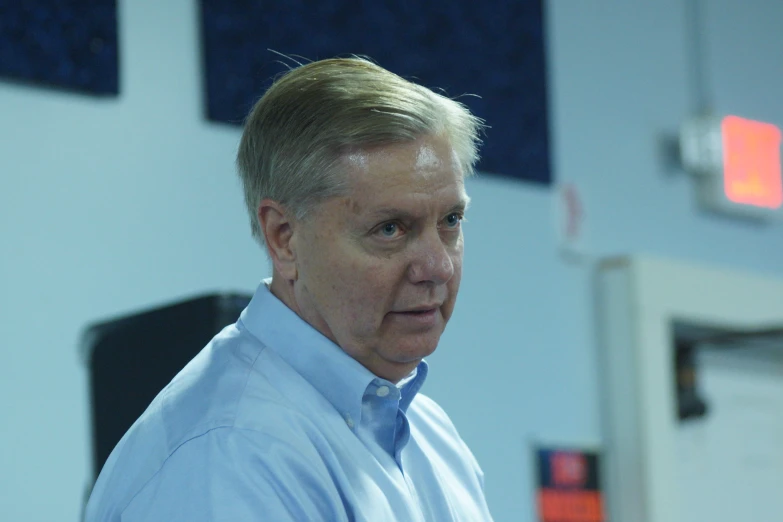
x,y
751,162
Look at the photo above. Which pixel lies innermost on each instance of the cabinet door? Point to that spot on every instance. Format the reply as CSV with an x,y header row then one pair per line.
x,y
730,462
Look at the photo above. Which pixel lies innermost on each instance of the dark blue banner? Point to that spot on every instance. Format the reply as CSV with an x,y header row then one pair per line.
x,y
493,49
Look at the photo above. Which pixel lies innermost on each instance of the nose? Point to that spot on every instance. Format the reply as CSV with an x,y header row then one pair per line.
x,y
433,260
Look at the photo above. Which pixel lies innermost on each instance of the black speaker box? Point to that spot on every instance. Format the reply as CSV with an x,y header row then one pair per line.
x,y
131,359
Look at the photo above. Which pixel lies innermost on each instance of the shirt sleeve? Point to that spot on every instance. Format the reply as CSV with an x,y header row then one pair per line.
x,y
236,475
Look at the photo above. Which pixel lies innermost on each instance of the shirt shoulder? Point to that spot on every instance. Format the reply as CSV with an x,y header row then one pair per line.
x,y
234,385
430,423
428,413
238,474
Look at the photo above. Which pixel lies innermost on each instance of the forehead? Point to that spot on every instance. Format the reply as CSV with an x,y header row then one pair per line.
x,y
424,173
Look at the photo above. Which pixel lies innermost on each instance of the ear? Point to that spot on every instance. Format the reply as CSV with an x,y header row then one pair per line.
x,y
278,229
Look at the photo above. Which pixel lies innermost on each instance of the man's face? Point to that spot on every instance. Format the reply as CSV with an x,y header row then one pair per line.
x,y
378,270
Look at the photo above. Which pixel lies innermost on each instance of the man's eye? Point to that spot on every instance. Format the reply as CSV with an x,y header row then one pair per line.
x,y
389,229
453,220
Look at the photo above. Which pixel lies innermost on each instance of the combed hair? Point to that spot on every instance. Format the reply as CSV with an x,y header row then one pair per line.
x,y
296,134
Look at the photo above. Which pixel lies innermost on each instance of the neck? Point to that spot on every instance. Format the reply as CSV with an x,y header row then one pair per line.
x,y
284,290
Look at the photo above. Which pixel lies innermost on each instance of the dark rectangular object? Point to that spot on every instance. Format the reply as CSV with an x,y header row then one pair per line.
x,y
71,44
132,358
494,49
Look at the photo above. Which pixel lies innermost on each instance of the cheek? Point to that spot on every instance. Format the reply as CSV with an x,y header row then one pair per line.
x,y
455,280
456,261
353,287
371,290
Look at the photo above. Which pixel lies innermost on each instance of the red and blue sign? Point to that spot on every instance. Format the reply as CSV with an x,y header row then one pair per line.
x,y
568,488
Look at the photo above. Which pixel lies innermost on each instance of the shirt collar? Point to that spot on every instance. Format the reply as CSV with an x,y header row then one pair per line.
x,y
336,375
411,385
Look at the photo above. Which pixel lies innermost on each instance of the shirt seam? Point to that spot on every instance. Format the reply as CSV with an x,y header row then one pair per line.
x,y
232,424
200,435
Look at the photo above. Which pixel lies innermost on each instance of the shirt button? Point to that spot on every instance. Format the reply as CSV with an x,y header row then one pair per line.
x,y
382,391
349,421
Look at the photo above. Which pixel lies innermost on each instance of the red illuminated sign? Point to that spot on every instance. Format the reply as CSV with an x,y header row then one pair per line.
x,y
751,162
568,469
570,506
568,488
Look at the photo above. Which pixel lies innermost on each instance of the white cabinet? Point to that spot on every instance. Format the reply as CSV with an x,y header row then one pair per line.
x,y
726,466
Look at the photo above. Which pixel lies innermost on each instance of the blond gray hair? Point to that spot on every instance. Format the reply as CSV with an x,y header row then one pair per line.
x,y
312,115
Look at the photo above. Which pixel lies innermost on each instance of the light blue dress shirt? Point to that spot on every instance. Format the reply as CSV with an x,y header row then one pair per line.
x,y
274,422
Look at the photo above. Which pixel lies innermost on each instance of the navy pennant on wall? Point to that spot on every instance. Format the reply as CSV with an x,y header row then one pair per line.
x,y
493,49
70,44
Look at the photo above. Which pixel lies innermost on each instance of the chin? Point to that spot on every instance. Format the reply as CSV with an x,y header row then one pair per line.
x,y
412,350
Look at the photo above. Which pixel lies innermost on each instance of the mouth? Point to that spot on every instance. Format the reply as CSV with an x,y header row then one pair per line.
x,y
418,316
423,311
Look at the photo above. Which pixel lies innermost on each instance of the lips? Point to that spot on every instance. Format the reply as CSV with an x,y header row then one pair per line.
x,y
419,319
418,315
419,309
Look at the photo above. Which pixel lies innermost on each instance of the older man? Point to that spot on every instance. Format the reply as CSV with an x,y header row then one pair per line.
x,y
308,408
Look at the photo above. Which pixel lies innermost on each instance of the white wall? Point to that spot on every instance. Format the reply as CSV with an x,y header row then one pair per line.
x,y
108,206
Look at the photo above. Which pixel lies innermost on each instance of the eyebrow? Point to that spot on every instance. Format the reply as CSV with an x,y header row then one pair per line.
x,y
393,212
